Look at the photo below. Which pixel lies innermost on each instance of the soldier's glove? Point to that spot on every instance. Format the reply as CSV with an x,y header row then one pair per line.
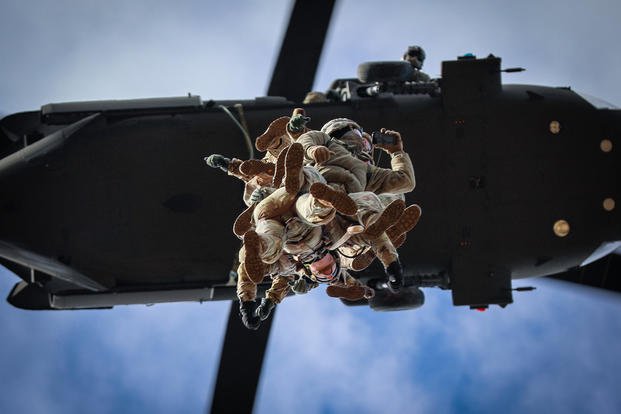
x,y
298,122
218,161
391,148
247,311
319,153
259,194
394,271
303,285
265,308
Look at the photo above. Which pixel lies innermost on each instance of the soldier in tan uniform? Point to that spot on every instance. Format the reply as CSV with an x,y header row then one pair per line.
x,y
318,209
314,252
338,150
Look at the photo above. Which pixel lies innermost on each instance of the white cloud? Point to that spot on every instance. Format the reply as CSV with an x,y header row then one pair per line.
x,y
121,50
322,354
162,357
325,356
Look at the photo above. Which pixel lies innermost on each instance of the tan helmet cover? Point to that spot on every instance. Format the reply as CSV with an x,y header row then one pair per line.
x,y
338,124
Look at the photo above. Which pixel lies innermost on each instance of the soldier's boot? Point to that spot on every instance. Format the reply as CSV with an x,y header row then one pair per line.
x,y
339,200
386,218
255,167
274,131
394,273
243,222
265,308
398,242
405,223
351,293
279,169
294,161
362,261
255,268
247,312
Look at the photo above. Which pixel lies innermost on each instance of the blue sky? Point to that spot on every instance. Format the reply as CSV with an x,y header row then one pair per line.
x,y
555,349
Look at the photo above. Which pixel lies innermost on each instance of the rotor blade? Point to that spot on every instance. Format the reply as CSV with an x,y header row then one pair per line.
x,y
301,48
240,365
604,274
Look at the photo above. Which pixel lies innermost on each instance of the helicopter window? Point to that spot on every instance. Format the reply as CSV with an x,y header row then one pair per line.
x,y
597,102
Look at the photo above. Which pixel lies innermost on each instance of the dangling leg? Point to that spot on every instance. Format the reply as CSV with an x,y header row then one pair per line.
x,y
262,246
246,293
387,254
274,295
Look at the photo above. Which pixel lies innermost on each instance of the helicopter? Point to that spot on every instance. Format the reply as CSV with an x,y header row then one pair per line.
x,y
95,244
478,184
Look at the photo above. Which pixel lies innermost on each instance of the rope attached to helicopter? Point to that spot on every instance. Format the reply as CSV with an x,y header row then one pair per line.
x,y
243,126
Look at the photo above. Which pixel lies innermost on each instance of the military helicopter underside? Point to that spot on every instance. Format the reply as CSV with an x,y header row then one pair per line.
x,y
108,203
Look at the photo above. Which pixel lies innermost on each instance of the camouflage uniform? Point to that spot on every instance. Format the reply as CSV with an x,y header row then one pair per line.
x,y
299,240
357,175
273,216
341,168
283,271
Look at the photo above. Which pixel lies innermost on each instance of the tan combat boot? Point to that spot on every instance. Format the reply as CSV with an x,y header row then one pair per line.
x,y
279,169
362,261
351,293
256,167
294,160
339,200
386,218
406,222
274,131
254,266
243,222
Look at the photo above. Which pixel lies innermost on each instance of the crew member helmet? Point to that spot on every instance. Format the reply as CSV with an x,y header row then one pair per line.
x,y
415,55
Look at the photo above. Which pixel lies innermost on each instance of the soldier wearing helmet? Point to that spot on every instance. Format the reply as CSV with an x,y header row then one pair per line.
x,y
415,55
352,136
342,153
314,254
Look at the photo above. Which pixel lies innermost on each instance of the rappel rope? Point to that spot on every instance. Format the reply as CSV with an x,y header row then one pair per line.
x,y
243,128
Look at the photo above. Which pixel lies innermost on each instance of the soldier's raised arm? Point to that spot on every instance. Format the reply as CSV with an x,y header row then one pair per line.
x,y
400,178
